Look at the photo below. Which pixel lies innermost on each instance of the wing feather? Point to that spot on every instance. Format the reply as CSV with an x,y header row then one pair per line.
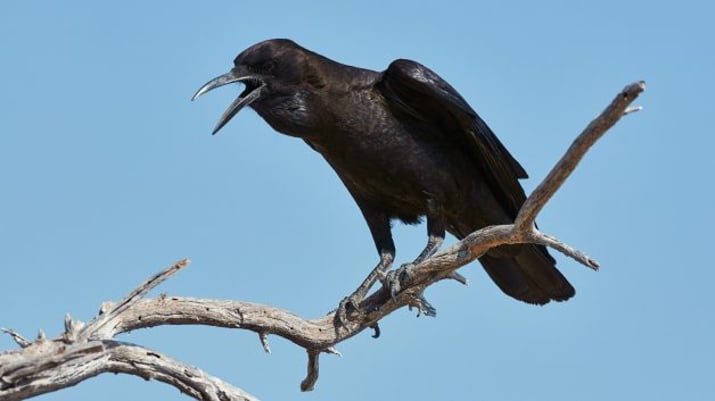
x,y
417,91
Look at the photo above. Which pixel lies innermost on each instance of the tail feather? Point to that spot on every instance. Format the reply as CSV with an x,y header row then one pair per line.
x,y
527,273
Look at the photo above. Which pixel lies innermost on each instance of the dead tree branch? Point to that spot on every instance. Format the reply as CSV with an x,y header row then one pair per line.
x,y
86,350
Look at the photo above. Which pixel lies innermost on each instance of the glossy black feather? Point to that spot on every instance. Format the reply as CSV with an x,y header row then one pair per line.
x,y
406,145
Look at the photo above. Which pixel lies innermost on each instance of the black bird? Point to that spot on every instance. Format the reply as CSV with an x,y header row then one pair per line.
x,y
406,145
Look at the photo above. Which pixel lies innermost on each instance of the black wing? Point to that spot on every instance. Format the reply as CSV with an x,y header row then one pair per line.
x,y
416,90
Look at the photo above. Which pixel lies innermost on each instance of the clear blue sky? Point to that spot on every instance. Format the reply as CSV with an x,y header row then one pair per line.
x,y
110,173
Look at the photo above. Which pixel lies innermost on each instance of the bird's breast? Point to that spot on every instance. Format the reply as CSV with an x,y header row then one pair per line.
x,y
379,160
382,158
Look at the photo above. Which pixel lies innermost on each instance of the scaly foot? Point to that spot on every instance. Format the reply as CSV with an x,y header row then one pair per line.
x,y
349,304
393,279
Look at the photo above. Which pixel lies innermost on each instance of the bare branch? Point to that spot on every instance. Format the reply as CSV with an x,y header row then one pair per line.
x,y
94,328
57,366
595,130
309,382
84,351
544,239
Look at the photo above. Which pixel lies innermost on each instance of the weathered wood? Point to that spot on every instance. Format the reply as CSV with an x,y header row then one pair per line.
x,y
86,350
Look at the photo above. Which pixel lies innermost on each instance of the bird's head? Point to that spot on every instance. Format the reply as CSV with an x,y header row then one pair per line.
x,y
266,69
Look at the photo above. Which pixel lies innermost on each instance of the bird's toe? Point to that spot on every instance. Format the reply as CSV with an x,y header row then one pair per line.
x,y
393,279
348,306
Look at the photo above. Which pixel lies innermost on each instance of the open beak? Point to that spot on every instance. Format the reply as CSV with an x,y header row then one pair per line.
x,y
254,86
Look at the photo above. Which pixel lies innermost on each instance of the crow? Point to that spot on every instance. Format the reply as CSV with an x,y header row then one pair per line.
x,y
406,145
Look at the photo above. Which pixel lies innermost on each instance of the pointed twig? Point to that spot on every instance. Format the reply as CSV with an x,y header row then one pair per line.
x,y
62,366
263,336
20,340
556,177
94,328
538,237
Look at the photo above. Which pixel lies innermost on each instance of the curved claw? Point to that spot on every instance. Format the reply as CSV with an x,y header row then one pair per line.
x,y
424,307
376,327
391,281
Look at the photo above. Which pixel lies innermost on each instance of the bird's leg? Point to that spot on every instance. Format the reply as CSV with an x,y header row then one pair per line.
x,y
354,299
379,225
434,241
435,231
435,238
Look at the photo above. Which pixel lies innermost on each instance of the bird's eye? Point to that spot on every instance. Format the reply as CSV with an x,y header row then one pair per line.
x,y
269,66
